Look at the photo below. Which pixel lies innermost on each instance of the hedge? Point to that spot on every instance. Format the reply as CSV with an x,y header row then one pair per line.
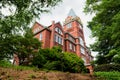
x,y
107,67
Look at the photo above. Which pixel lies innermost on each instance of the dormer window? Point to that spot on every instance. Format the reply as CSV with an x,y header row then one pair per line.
x,y
58,30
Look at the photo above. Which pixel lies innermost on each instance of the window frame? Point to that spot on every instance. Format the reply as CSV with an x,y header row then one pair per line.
x,y
70,46
58,30
40,36
82,50
81,41
58,39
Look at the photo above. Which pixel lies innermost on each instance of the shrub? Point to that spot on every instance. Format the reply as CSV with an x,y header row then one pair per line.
x,y
54,65
107,75
38,60
108,67
5,63
55,59
73,63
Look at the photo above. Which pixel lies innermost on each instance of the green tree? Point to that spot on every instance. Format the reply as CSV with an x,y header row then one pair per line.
x,y
105,27
22,13
26,47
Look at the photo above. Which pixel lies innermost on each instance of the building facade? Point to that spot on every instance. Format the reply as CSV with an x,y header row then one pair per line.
x,y
70,36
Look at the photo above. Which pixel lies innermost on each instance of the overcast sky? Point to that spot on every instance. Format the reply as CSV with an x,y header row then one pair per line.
x,y
60,12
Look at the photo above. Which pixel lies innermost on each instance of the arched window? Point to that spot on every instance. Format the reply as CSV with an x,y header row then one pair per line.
x,y
58,30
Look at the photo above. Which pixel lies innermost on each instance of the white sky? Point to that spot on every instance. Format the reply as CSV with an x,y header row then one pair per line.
x,y
60,12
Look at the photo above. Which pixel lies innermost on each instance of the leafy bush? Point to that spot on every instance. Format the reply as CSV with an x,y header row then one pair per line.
x,y
107,67
73,63
55,59
54,65
38,60
107,75
4,63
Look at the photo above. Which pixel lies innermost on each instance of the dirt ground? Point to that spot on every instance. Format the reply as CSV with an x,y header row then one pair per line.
x,y
12,74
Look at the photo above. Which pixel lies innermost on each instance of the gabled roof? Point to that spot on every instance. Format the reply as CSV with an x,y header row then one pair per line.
x,y
38,24
46,27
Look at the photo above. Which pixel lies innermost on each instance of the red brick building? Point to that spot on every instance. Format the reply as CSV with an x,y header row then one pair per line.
x,y
70,36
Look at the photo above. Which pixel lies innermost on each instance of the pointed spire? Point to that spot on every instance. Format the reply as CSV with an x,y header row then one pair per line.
x,y
72,13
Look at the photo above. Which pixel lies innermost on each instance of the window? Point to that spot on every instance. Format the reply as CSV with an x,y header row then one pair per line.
x,y
40,36
71,39
58,30
74,48
69,25
82,50
55,38
81,41
58,39
70,45
36,30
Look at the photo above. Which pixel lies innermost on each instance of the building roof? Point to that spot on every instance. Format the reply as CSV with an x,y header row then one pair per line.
x,y
72,13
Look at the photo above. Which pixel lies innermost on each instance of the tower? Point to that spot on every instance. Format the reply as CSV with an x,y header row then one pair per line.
x,y
73,26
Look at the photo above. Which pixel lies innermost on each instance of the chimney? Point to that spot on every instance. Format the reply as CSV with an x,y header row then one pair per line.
x,y
53,22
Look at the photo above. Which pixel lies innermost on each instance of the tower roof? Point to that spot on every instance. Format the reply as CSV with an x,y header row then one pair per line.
x,y
72,13
72,17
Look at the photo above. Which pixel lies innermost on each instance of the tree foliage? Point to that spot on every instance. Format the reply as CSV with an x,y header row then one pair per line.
x,y
105,27
26,47
12,25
